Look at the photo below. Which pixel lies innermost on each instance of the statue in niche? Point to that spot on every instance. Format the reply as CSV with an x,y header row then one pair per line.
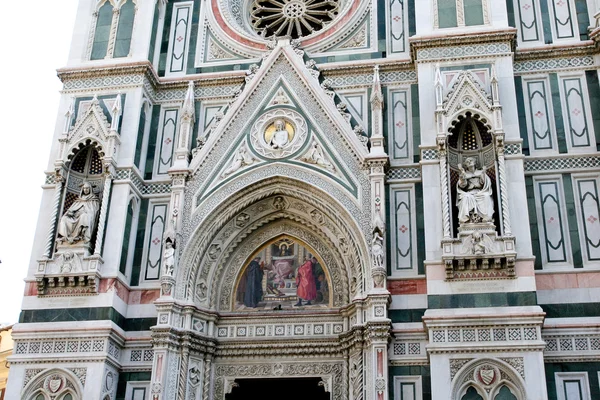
x,y
377,250
169,256
474,194
79,222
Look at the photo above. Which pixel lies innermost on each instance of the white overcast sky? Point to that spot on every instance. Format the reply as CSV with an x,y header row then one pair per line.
x,y
35,38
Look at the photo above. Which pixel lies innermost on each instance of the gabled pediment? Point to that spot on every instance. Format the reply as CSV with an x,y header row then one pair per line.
x,y
467,92
282,123
92,126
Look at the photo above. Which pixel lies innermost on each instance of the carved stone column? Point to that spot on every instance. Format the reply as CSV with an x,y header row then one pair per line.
x,y
109,175
112,38
377,360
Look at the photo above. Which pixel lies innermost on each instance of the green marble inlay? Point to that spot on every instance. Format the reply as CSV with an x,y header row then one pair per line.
x,y
414,315
420,228
87,314
572,221
416,121
591,368
533,225
558,116
476,300
473,12
124,377
571,310
151,148
125,29
583,18
152,47
412,370
102,33
126,237
140,138
593,87
139,243
521,113
546,22
447,13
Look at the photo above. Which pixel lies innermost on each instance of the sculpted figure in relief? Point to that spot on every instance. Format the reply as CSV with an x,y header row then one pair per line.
x,y
280,137
474,194
242,158
79,222
315,156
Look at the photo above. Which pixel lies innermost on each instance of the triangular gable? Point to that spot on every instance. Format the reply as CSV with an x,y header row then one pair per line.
x,y
467,92
91,124
285,70
247,154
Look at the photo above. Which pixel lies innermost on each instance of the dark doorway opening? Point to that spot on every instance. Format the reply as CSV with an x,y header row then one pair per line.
x,y
277,389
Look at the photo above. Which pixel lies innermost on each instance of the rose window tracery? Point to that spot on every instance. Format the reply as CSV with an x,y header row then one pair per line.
x,y
294,18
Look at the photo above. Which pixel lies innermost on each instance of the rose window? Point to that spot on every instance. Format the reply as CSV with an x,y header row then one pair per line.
x,y
294,18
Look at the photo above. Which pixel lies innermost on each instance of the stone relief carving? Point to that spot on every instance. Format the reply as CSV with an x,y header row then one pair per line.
x,y
315,155
69,262
241,159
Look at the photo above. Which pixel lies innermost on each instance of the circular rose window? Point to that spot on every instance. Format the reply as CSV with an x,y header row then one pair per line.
x,y
294,18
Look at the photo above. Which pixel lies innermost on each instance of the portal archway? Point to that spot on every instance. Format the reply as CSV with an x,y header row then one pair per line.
x,y
316,218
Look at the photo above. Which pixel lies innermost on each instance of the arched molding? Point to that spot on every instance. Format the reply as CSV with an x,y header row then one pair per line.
x,y
458,118
53,383
338,228
100,3
504,374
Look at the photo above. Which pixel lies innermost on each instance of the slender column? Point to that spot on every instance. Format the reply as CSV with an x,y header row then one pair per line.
x,y
103,211
113,33
90,45
183,371
59,182
207,373
441,141
507,231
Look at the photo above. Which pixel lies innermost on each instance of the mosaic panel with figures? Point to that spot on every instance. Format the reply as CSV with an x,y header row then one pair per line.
x,y
283,274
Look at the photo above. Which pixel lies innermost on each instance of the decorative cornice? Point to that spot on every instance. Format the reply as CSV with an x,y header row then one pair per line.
x,y
552,51
419,44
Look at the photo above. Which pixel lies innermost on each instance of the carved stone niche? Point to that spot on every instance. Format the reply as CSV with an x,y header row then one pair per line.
x,y
478,203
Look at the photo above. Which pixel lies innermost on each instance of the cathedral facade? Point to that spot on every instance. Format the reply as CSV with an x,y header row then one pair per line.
x,y
327,199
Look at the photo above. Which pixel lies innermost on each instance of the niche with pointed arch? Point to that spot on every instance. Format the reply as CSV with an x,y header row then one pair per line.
x,y
284,273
